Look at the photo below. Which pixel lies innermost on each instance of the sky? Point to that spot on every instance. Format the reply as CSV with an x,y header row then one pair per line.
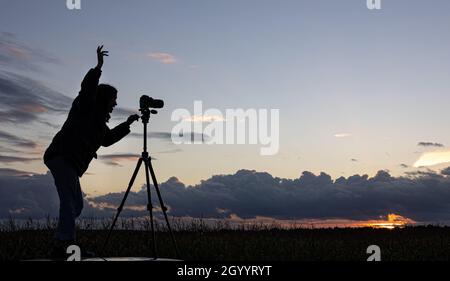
x,y
358,91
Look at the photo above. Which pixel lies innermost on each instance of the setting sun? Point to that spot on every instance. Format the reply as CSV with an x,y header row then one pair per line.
x,y
392,221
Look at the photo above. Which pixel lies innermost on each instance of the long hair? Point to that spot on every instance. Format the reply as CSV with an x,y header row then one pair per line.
x,y
105,93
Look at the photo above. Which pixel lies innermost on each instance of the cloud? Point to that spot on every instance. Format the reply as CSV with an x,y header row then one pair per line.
x,y
25,100
342,135
169,151
204,118
15,54
16,141
165,58
166,136
404,166
430,144
115,159
153,135
28,195
8,150
420,196
11,159
159,135
249,194
6,172
446,171
354,160
433,158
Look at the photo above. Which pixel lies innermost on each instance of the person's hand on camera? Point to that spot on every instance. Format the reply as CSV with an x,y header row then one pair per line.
x,y
100,55
132,118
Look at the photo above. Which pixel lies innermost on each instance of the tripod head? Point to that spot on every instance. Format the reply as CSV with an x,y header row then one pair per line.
x,y
145,114
145,103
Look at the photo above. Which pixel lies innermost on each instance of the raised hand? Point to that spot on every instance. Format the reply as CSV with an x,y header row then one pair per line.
x,y
100,55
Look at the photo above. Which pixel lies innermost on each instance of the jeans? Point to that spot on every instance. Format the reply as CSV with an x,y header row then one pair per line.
x,y
70,196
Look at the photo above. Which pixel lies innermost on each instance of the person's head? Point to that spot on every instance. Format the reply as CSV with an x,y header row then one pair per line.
x,y
106,99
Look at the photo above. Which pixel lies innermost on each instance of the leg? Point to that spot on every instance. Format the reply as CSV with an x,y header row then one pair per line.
x,y
70,198
78,200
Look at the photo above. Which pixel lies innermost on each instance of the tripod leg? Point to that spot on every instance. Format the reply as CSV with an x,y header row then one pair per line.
x,y
130,184
163,207
150,208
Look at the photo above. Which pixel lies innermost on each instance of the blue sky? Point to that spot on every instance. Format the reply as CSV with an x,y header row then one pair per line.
x,y
330,67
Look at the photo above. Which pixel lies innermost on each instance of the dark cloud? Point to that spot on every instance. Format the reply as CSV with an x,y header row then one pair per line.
x,y
430,144
446,171
28,195
354,160
16,141
11,159
154,135
249,194
8,150
169,151
419,173
115,159
404,166
14,53
6,172
118,156
25,100
166,136
421,196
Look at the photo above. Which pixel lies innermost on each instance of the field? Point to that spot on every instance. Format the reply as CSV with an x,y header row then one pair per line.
x,y
198,241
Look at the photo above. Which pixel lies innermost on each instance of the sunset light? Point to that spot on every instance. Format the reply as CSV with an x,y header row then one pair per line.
x,y
391,221
432,158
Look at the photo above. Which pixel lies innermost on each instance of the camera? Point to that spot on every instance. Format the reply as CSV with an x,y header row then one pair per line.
x,y
146,102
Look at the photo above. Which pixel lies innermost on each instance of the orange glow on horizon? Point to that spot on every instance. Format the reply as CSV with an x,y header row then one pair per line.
x,y
389,221
392,221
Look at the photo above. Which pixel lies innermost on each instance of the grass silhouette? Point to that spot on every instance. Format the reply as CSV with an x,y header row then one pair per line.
x,y
221,241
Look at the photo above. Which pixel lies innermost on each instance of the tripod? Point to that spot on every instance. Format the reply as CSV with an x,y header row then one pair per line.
x,y
146,159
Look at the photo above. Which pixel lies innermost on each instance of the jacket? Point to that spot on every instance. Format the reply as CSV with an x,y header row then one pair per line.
x,y
84,130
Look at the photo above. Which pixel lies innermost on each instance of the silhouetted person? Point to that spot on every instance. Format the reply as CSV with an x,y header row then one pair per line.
x,y
75,145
